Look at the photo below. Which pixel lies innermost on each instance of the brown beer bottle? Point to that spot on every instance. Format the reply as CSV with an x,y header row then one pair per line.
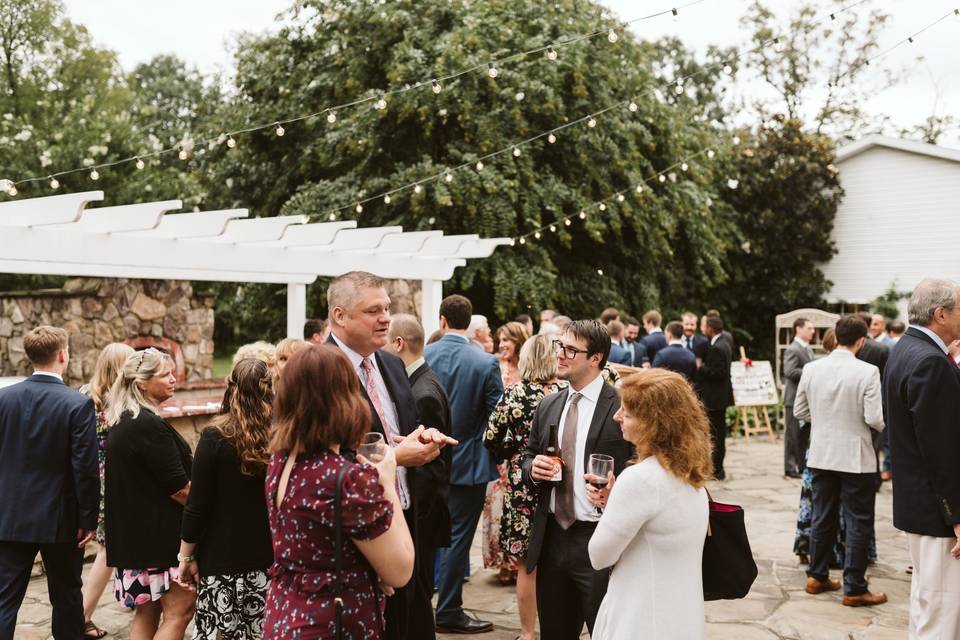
x,y
553,452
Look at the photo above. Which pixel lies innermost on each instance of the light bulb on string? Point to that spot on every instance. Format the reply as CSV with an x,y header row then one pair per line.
x,y
183,155
358,208
735,140
727,69
513,242
479,165
492,72
684,166
54,183
583,215
553,228
279,130
733,183
551,53
13,190
380,104
602,207
436,87
387,199
139,164
599,272
620,197
639,188
417,189
612,36
633,106
331,117
332,217
536,235
662,178
516,152
679,89
231,142
448,177
711,153
551,138
523,241
94,174
568,222
591,122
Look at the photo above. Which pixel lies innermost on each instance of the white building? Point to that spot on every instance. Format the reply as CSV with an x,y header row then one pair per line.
x,y
899,221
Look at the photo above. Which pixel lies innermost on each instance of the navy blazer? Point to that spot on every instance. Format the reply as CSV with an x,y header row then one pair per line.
x,y
49,476
654,342
700,344
473,384
676,357
713,377
921,391
620,355
638,352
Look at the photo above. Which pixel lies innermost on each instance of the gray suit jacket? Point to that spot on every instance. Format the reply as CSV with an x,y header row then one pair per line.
x,y
794,359
840,396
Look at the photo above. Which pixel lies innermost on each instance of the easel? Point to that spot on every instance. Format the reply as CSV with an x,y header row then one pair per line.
x,y
754,419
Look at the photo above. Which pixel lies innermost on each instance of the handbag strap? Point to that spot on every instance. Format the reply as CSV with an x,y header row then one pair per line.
x,y
338,553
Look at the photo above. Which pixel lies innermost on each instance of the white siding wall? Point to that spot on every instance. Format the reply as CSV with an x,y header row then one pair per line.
x,y
898,222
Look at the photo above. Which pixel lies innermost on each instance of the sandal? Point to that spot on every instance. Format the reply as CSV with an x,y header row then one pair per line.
x,y
91,630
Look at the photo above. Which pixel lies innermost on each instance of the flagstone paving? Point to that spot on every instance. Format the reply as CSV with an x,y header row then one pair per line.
x,y
776,608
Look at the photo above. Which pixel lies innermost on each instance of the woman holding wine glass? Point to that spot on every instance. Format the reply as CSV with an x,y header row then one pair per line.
x,y
655,514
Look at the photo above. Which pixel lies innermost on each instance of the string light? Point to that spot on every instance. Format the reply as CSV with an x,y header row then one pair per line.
x,y
94,174
599,272
727,69
516,152
684,166
583,215
602,207
639,188
54,183
448,177
12,190
331,116
551,53
662,178
386,199
568,222
735,140
553,228
551,138
279,130
492,71
380,104
633,106
620,197
612,36
358,208
710,153
417,189
537,235
479,165
183,155
679,89
591,122
436,87
523,241
231,142
332,217
140,164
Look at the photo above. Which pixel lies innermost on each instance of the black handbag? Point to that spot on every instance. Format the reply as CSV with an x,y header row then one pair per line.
x,y
728,566
338,557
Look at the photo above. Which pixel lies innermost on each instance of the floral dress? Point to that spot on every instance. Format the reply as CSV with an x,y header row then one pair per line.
x,y
506,438
300,597
100,536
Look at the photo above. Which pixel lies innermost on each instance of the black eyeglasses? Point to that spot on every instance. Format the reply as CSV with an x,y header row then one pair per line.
x,y
568,352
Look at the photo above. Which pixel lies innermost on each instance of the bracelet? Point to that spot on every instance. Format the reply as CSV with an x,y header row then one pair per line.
x,y
189,558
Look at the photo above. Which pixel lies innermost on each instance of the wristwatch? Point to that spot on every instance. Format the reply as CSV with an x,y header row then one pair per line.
x,y
181,558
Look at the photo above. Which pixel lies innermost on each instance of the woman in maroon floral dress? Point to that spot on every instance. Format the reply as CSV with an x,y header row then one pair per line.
x,y
319,408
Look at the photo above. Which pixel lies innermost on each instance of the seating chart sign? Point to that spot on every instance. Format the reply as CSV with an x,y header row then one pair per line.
x,y
753,385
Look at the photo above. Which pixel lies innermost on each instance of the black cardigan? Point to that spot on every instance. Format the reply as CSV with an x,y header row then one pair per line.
x,y
147,462
226,513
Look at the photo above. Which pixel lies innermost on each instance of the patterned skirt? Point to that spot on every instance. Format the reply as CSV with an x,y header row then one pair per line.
x,y
133,587
231,605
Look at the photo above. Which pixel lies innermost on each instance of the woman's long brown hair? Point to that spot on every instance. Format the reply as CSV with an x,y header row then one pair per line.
x,y
246,412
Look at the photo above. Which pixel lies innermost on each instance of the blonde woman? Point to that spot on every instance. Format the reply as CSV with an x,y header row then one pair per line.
x,y
285,350
109,362
225,547
147,484
506,438
655,521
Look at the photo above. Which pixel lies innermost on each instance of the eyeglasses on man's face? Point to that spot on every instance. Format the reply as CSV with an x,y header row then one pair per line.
x,y
568,352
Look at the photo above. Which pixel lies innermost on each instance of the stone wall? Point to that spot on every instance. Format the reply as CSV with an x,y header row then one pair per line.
x,y
97,312
405,296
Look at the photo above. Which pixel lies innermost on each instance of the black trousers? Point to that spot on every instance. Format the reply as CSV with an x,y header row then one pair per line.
x,y
569,590
63,563
422,624
857,493
718,433
796,441
409,609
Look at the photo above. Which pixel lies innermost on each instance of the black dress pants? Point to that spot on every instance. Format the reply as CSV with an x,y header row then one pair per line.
x,y
409,612
796,441
857,493
718,433
63,563
569,590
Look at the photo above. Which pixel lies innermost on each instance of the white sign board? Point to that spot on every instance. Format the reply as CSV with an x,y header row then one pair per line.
x,y
753,385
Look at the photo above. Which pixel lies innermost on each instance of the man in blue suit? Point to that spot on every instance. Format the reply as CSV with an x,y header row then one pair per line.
x,y
675,356
472,381
49,485
654,340
619,353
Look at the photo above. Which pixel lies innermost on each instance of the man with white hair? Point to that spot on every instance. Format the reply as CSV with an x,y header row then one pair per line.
x,y
479,333
921,391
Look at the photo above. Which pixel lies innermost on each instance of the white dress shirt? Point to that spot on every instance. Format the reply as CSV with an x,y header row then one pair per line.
x,y
48,373
389,410
584,509
933,336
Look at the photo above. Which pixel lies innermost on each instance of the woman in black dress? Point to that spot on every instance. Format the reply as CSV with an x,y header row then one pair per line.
x,y
225,549
147,481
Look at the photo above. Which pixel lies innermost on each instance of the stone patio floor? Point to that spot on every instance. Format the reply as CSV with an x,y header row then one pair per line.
x,y
777,606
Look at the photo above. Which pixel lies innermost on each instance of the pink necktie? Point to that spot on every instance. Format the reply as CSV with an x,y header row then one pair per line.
x,y
371,384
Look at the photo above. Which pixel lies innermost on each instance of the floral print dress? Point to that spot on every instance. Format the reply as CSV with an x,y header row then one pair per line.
x,y
506,437
300,596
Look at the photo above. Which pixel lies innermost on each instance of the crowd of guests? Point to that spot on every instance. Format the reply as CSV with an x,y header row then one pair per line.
x,y
345,477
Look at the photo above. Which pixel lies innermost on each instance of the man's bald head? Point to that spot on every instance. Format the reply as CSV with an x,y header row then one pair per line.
x,y
406,326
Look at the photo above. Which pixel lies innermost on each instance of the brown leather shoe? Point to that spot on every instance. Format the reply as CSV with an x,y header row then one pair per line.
x,y
865,599
814,586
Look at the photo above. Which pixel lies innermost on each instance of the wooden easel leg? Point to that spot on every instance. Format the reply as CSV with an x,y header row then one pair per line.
x,y
746,424
766,419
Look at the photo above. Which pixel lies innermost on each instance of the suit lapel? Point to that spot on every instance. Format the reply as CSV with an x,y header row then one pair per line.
x,y
604,402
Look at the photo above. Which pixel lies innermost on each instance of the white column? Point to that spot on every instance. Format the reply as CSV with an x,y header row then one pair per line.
x,y
431,295
296,309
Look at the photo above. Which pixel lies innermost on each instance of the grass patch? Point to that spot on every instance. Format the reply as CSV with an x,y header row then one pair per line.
x,y
221,366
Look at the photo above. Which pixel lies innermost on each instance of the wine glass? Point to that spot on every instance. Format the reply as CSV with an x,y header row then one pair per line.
x,y
599,466
372,447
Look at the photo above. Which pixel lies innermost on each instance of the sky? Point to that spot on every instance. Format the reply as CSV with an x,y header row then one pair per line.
x,y
202,32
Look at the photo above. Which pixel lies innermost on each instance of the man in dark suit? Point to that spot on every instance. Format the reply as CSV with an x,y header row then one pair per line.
x,y
473,384
921,392
632,341
654,340
618,352
726,336
695,342
874,352
360,320
716,390
579,422
675,356
796,441
49,484
433,479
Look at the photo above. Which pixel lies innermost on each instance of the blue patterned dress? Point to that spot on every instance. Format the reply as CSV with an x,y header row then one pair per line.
x,y
300,597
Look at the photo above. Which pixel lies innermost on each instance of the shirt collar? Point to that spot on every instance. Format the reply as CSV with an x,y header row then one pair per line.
x,y
458,336
936,339
48,373
655,330
680,341
355,358
803,343
592,391
842,352
714,339
416,364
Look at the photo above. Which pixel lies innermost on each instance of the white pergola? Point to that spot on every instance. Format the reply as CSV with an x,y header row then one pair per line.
x,y
60,235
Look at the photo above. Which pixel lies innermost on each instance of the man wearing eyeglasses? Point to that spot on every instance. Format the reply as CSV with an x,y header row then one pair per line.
x,y
569,590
